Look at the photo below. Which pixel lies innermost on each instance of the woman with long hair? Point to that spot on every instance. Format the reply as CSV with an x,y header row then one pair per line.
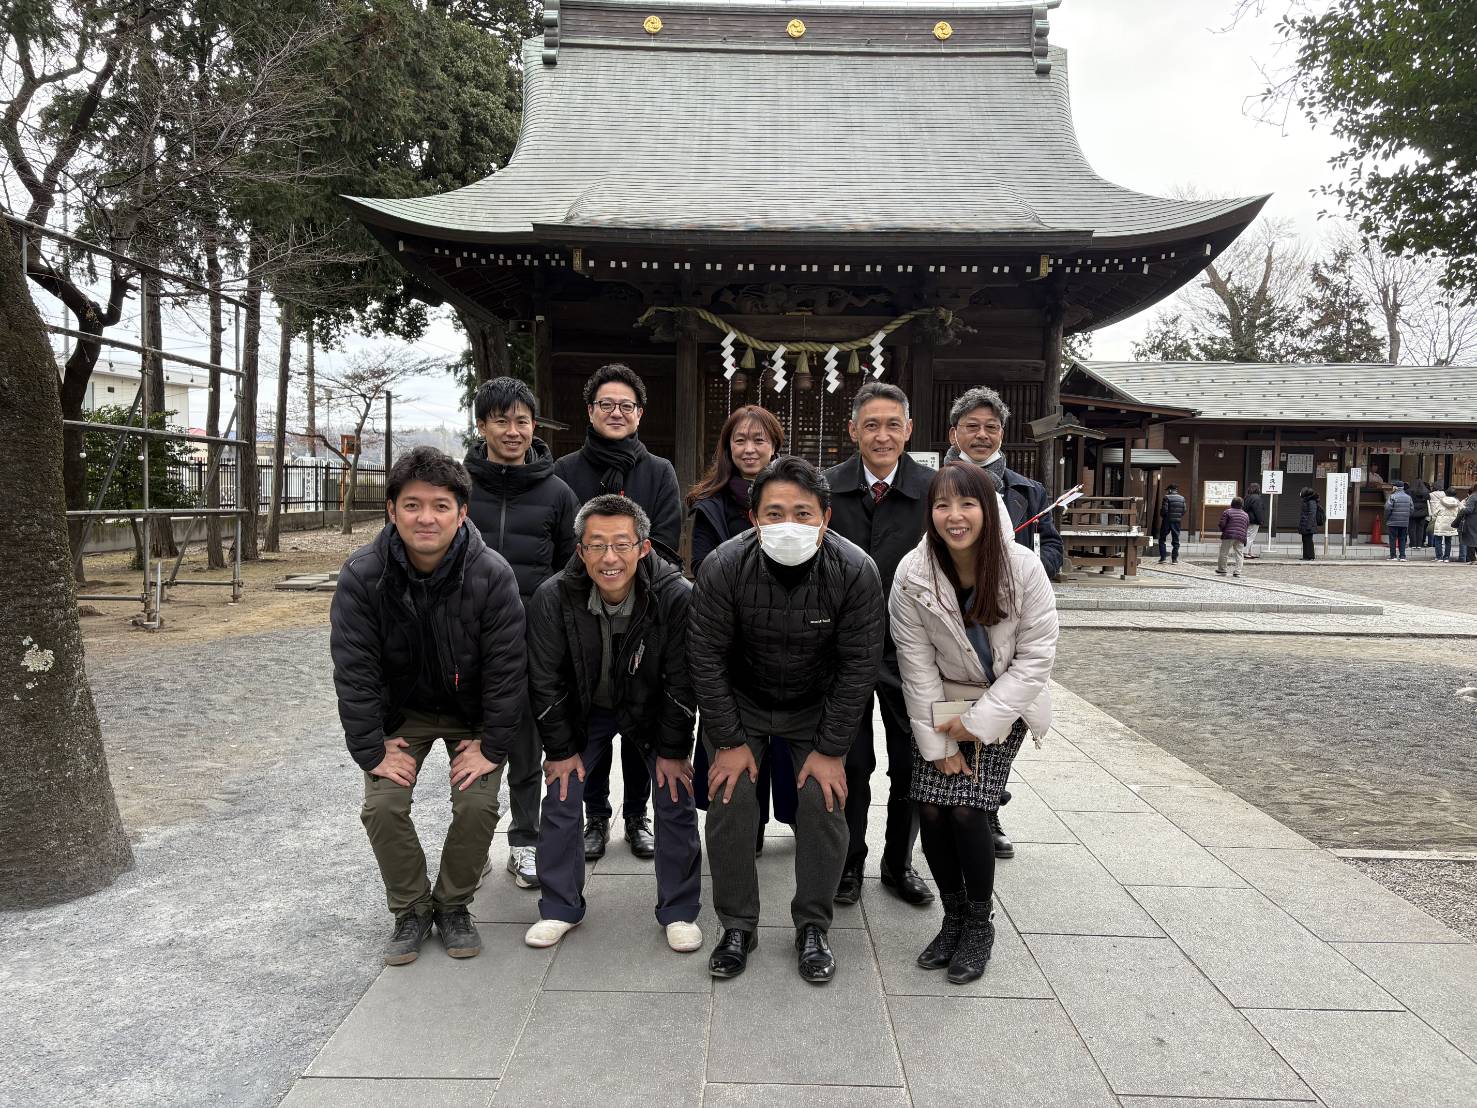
x,y
719,504
974,619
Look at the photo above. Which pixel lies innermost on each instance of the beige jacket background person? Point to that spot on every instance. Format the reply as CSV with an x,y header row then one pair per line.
x,y
932,649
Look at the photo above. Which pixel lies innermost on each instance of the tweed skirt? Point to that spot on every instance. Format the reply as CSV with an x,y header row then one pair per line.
x,y
983,790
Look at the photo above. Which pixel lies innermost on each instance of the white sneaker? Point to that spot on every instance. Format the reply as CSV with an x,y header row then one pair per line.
x,y
547,932
523,865
684,937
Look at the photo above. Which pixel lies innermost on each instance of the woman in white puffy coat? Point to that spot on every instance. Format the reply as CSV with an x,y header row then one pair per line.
x,y
974,620
1443,523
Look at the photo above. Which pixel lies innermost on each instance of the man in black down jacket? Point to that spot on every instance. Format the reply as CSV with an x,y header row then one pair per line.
x,y
427,642
785,640
606,654
879,501
614,460
1171,514
526,514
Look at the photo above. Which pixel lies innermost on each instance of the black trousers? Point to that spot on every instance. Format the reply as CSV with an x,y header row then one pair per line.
x,y
861,762
634,776
1307,548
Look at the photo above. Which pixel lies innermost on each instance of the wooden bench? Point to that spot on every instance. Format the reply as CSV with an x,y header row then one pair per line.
x,y
1104,531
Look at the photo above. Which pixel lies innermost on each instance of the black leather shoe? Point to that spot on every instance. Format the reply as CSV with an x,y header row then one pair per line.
x,y
817,963
1004,848
638,834
849,888
731,956
597,833
907,886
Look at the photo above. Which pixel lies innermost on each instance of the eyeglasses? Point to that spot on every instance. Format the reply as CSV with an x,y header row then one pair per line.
x,y
599,548
627,407
972,428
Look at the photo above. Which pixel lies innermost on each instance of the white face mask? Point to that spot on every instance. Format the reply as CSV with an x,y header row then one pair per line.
x,y
789,544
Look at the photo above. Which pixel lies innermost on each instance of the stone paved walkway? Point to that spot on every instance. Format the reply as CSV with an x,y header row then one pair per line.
x,y
1158,938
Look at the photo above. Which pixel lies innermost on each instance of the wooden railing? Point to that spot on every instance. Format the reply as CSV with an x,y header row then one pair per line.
x,y
1105,531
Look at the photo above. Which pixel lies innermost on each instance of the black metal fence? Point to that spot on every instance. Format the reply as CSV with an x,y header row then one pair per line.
x,y
305,487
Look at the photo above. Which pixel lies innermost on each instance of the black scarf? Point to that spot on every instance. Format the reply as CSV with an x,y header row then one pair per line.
x,y
613,459
739,487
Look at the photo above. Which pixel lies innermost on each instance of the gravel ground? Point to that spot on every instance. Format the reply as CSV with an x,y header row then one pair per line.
x,y
1369,748
1447,890
212,972
1449,587
1197,590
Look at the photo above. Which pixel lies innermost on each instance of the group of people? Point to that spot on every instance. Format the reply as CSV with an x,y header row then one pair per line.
x,y
1417,516
535,614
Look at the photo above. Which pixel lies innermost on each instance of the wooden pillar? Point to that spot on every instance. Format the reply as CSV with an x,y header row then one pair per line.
x,y
1192,500
688,408
1051,388
543,373
926,435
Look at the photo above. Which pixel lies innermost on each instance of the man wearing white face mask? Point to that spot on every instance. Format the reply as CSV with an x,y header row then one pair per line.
x,y
784,640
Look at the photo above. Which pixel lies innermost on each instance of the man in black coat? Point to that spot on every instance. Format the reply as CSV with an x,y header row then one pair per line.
x,y
614,460
879,501
977,423
427,643
1171,516
526,514
785,641
606,654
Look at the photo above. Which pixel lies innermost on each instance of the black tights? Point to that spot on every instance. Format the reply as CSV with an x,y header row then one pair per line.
x,y
959,848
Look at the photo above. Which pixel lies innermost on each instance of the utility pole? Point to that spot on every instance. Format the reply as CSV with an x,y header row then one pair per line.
x,y
312,384
389,447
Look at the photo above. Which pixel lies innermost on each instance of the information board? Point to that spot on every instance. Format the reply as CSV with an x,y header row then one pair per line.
x,y
1271,480
1336,504
929,458
1219,492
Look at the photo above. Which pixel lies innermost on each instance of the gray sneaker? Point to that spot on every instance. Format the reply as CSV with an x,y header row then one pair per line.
x,y
523,865
404,946
458,933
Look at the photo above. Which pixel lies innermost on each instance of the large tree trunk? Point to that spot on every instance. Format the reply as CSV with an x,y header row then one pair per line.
x,y
246,417
58,818
310,385
215,557
279,428
489,344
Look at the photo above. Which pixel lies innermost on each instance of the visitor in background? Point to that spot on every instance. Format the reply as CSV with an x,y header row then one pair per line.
x,y
1171,512
976,627
1310,518
1433,503
1398,507
1443,523
613,460
719,506
607,654
426,633
526,514
1466,528
1256,513
1234,523
1420,512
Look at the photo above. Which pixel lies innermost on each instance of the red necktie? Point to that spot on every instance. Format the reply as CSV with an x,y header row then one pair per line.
x,y
879,490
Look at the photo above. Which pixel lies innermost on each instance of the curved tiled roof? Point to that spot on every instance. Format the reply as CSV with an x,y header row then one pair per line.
x,y
712,126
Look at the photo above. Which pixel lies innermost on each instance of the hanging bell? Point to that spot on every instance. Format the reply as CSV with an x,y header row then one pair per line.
x,y
803,379
741,382
853,365
747,361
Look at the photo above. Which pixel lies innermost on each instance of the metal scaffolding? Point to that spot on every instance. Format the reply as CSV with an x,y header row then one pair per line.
x,y
155,584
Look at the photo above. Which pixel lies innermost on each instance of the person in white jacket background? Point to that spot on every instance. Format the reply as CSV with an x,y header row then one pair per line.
x,y
974,619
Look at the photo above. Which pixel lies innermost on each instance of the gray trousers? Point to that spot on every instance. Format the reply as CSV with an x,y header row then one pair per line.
x,y
821,840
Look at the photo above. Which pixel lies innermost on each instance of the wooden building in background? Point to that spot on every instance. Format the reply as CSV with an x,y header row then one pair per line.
x,y
803,172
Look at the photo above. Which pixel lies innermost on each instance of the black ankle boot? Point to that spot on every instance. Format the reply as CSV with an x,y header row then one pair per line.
x,y
936,955
975,945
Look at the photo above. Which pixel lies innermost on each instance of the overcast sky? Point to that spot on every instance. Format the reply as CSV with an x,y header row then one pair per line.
x,y
1160,96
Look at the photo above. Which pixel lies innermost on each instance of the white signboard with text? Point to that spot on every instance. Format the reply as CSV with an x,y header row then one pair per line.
x,y
1336,504
1271,480
1220,492
929,458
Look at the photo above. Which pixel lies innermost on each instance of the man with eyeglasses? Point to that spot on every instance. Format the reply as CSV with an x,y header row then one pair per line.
x,y
977,424
613,460
526,514
607,654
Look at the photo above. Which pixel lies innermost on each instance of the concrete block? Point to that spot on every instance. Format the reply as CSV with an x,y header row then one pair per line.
x,y
400,1026
1333,900
1060,889
1436,981
771,1027
1027,819
1155,1025
1079,787
643,1051
801,1096
361,1092
1144,848
1370,1059
1256,954
1214,817
974,1050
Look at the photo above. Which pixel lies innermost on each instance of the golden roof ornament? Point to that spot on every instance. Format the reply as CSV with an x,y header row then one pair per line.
x,y
795,28
942,31
653,24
